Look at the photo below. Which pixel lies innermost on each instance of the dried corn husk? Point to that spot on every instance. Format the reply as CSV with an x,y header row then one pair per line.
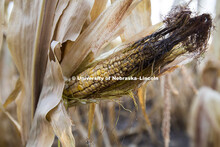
x,y
71,22
98,33
99,6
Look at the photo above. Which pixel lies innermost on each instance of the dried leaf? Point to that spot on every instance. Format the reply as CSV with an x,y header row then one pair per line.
x,y
71,22
98,33
46,122
98,7
61,6
204,120
61,124
29,52
131,94
55,46
13,94
41,46
142,100
21,36
41,133
181,59
138,20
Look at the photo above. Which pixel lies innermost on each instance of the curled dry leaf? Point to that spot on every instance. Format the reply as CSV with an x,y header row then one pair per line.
x,y
98,33
61,6
55,46
61,124
204,120
13,94
29,53
71,22
142,100
21,36
51,116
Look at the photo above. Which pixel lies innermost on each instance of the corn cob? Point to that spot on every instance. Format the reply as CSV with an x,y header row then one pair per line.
x,y
181,30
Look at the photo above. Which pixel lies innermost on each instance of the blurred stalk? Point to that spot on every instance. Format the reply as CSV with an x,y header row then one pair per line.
x,y
166,115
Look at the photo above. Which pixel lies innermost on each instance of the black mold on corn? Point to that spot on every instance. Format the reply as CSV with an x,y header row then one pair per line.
x,y
181,29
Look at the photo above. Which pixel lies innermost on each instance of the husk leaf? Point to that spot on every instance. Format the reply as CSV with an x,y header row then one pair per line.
x,y
71,22
98,33
98,7
61,124
142,100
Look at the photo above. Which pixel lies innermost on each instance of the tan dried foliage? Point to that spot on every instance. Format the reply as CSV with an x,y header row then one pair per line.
x,y
204,119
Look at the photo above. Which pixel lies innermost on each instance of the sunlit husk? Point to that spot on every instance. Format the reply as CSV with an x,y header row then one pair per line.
x,y
98,33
